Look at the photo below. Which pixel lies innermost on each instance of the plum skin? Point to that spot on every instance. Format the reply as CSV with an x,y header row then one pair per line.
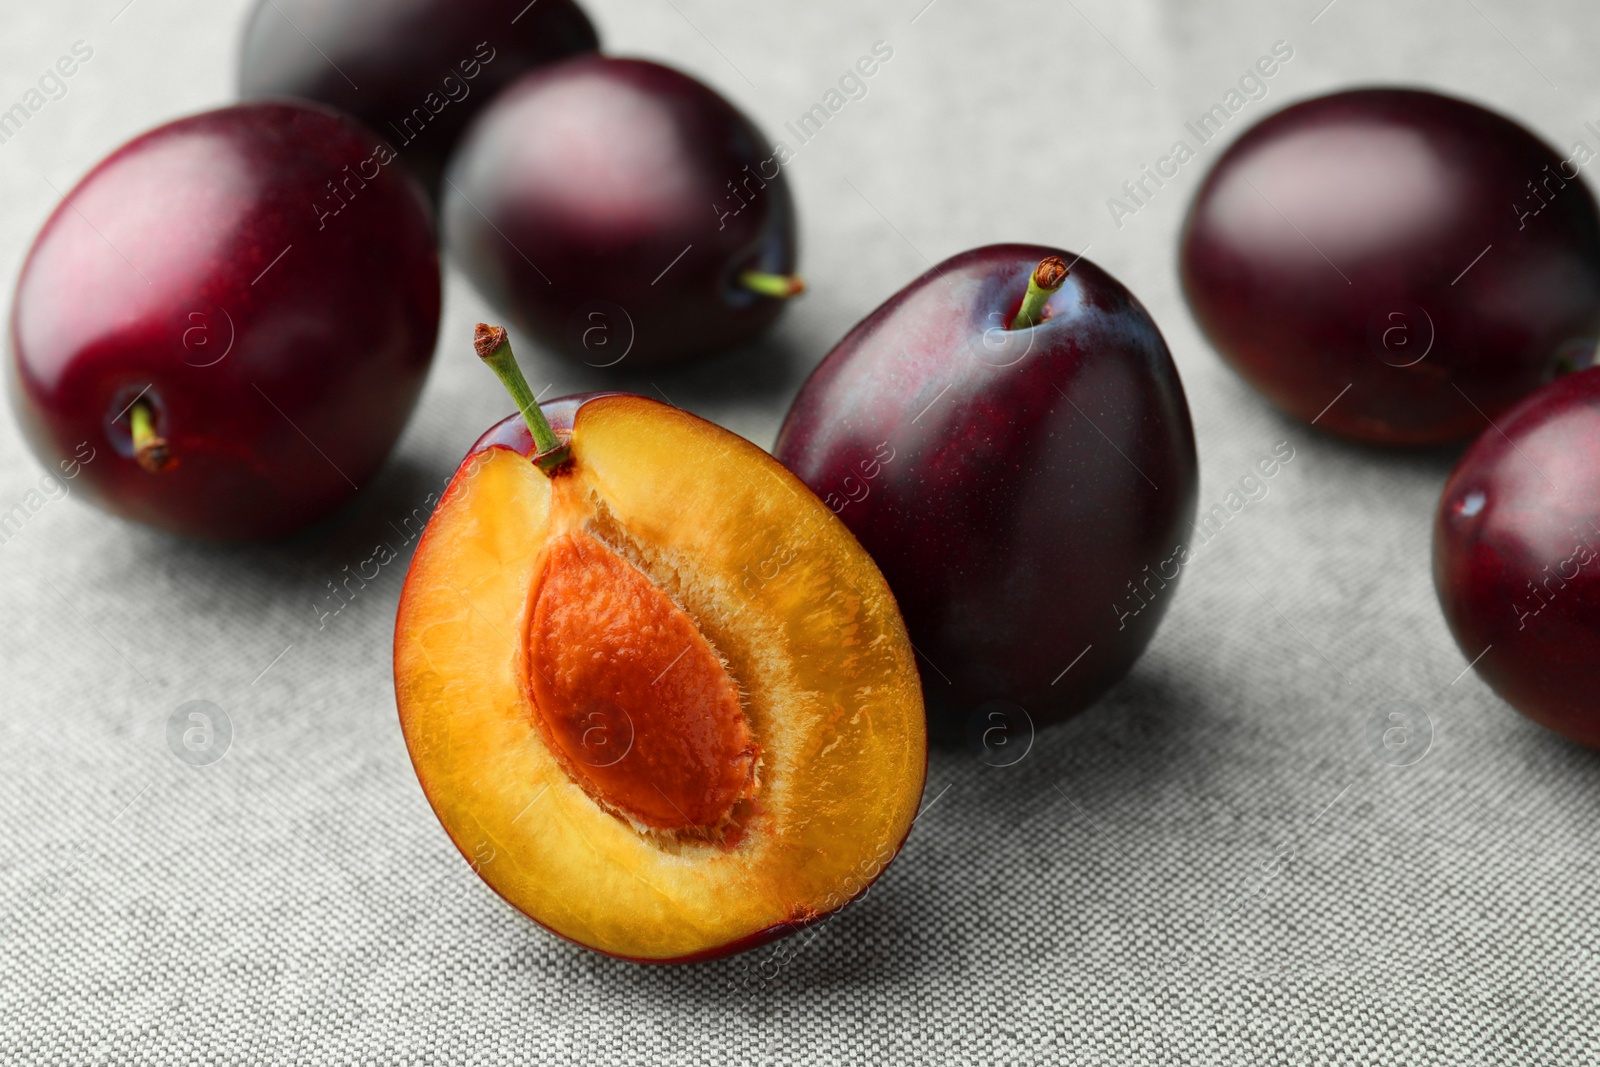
x,y
606,206
986,480
1516,558
281,354
1402,191
384,60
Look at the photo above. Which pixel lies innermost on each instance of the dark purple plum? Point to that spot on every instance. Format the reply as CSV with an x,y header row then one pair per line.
x,y
1400,263
1516,556
416,71
1026,489
233,350
618,209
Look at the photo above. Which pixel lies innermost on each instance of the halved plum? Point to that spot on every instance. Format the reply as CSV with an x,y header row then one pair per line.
x,y
656,692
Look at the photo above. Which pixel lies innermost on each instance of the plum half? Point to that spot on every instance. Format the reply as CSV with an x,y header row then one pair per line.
x,y
238,356
1516,556
1008,437
656,693
1394,265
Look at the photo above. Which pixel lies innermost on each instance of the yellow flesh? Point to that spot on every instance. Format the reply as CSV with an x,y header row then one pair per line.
x,y
815,643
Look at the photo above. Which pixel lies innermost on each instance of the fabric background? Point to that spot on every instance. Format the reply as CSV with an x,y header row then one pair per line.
x,y
1214,865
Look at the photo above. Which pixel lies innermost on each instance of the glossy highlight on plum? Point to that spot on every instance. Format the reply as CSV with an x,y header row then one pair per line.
x,y
1008,437
241,364
623,213
1516,556
1369,262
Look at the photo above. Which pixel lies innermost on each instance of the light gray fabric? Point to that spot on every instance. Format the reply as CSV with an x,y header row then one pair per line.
x,y
1215,865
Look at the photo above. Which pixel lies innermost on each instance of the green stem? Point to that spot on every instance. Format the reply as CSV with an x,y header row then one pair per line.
x,y
494,348
1047,277
779,286
150,449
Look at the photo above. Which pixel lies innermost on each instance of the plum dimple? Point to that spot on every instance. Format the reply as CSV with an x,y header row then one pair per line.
x,y
630,692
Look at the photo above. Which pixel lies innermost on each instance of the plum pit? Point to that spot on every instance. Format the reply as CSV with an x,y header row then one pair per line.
x,y
629,691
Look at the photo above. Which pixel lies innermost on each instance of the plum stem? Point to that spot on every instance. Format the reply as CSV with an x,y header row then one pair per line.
x,y
779,286
1047,277
150,449
493,345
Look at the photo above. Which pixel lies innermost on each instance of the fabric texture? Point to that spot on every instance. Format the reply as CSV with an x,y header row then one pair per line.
x,y
1228,860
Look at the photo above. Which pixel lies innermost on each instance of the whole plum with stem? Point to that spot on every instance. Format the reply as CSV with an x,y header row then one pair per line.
x,y
237,358
1009,439
618,210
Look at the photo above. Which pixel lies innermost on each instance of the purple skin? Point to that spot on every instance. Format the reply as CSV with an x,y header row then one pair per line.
x,y
1516,556
608,206
980,467
424,68
278,347
1401,191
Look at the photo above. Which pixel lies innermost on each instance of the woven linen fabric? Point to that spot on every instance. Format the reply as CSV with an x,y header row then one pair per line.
x,y
1229,860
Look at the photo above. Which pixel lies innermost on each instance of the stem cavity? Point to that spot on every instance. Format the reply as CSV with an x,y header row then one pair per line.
x,y
494,348
778,286
150,449
1047,277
